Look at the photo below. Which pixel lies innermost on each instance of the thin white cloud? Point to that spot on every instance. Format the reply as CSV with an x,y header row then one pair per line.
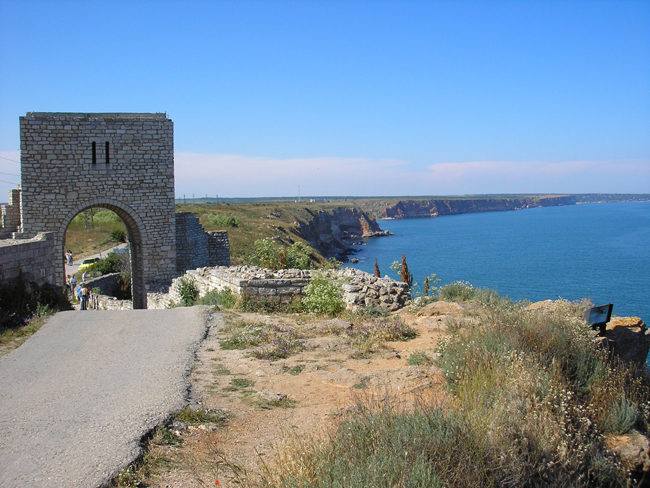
x,y
239,175
627,176
233,175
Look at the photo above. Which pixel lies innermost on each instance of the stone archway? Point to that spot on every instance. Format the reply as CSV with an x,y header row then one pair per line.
x,y
136,233
120,161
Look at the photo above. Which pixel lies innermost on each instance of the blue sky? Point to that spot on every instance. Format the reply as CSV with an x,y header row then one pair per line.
x,y
351,97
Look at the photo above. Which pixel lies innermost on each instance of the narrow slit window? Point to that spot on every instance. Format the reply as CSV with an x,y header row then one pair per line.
x,y
94,152
108,157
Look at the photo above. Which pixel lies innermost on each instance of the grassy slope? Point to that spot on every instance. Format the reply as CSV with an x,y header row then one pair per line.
x,y
84,241
259,220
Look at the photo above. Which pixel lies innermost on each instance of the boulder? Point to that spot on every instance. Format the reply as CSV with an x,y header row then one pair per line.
x,y
544,304
272,397
440,308
628,338
633,449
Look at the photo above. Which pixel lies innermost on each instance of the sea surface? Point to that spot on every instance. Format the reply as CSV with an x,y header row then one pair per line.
x,y
597,251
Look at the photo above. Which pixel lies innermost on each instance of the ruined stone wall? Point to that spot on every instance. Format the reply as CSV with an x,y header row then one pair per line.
x,y
33,258
104,302
360,289
122,162
106,283
218,248
196,248
10,215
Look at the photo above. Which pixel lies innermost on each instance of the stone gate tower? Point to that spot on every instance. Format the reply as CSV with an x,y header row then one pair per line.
x,y
123,162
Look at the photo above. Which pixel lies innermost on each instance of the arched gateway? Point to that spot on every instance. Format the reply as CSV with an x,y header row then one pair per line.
x,y
123,162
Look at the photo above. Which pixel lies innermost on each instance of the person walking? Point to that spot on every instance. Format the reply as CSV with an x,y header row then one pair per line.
x,y
83,296
73,284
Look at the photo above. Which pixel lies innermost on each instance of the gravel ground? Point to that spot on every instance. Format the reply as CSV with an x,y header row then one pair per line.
x,y
78,396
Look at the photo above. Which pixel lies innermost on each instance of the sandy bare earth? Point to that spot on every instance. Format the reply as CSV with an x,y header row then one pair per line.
x,y
320,383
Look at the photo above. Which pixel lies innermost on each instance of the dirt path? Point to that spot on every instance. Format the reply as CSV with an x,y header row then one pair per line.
x,y
320,383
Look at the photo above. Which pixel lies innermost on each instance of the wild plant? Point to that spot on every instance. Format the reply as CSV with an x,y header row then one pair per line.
x,y
372,336
323,296
188,291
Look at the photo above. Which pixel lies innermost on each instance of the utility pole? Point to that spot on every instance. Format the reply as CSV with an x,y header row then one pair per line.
x,y
298,193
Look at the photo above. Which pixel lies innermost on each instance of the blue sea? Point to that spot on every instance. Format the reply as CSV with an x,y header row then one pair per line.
x,y
597,251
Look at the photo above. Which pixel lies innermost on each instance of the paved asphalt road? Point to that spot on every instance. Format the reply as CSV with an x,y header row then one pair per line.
x,y
77,397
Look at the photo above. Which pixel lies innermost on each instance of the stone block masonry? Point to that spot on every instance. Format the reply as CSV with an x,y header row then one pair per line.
x,y
197,248
123,162
360,289
32,258
10,215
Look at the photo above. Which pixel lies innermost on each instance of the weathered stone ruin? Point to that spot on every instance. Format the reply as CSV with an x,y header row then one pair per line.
x,y
360,289
123,162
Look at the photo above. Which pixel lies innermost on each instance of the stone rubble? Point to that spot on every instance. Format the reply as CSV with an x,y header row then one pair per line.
x,y
360,289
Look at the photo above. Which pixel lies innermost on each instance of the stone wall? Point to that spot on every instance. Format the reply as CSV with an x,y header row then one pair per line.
x,y
218,248
33,258
104,302
10,215
123,162
360,289
105,283
197,248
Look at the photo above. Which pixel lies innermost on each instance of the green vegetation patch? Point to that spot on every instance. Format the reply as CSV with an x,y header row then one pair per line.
x,y
279,341
370,337
323,296
199,416
534,394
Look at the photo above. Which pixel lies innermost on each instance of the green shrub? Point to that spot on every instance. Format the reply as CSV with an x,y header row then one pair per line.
x,y
199,416
110,264
530,384
241,383
323,296
245,336
622,417
419,358
271,255
459,291
188,291
372,336
298,256
224,220
119,235
225,298
383,447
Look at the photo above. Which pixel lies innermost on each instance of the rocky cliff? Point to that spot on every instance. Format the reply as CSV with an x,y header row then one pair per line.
x,y
434,208
333,231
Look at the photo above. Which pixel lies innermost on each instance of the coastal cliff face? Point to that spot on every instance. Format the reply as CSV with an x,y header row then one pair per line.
x,y
332,232
434,208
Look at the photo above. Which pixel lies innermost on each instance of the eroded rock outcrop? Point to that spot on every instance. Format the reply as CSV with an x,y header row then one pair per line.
x,y
628,338
437,207
333,232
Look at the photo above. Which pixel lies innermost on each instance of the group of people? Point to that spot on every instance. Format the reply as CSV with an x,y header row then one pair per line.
x,y
68,257
81,291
